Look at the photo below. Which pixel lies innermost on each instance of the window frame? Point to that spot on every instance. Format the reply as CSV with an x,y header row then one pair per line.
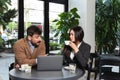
x,y
46,18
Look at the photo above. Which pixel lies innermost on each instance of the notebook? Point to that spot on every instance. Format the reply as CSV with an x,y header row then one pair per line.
x,y
50,63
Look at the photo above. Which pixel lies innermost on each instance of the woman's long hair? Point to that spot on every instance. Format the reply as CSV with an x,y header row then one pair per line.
x,y
67,50
79,34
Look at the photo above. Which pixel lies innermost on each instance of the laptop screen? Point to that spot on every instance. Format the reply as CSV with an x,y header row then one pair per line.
x,y
49,63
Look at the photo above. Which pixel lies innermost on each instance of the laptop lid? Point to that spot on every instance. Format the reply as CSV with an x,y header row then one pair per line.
x,y
49,63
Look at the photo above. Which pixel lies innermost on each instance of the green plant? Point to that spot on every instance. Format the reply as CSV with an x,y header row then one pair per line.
x,y
106,25
53,46
6,14
65,22
1,41
12,26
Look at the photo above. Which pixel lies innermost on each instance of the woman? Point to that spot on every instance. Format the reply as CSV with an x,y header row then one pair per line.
x,y
77,51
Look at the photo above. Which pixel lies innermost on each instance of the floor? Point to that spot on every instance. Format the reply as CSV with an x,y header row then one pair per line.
x,y
6,59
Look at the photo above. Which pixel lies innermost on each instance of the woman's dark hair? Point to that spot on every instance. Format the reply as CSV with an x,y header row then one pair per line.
x,y
33,29
79,33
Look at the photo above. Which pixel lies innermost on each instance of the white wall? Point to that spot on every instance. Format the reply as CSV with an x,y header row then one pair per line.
x,y
86,10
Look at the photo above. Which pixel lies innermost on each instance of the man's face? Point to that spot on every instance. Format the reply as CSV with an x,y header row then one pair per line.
x,y
35,39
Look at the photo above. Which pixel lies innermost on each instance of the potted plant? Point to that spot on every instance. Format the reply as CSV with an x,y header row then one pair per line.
x,y
65,22
106,26
6,14
53,46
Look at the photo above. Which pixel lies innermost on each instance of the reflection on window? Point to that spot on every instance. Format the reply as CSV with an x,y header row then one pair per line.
x,y
33,13
10,33
55,9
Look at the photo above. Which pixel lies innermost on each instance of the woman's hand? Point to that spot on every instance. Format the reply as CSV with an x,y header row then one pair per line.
x,y
74,47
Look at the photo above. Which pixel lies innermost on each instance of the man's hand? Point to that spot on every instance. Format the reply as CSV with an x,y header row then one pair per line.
x,y
17,66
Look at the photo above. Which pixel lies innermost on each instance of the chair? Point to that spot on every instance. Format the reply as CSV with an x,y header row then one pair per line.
x,y
11,66
106,73
93,65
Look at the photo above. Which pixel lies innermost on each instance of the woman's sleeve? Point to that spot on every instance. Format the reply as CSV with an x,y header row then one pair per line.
x,y
82,55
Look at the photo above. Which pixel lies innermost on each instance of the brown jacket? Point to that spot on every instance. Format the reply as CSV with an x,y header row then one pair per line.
x,y
23,54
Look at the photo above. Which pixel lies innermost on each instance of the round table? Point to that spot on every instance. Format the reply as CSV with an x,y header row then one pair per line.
x,y
45,75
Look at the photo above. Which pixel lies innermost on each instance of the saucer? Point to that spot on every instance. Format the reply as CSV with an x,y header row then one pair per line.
x,y
67,67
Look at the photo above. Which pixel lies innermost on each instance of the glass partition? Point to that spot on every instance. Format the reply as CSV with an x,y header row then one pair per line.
x,y
33,13
54,10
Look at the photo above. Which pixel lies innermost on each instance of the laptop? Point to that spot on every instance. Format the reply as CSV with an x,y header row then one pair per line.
x,y
50,63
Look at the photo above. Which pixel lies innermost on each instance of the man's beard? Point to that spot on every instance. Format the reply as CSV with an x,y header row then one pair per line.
x,y
35,44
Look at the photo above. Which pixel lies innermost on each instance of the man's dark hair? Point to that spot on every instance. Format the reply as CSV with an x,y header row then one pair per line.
x,y
79,33
33,29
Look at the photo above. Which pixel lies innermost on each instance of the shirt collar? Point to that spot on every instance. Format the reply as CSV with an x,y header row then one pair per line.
x,y
79,44
31,46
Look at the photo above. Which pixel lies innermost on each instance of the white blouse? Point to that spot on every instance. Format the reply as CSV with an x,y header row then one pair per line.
x,y
72,54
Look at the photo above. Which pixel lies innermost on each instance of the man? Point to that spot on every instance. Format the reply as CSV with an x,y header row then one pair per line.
x,y
27,49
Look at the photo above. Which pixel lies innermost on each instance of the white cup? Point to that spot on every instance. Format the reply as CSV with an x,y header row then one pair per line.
x,y
28,69
72,67
67,42
23,66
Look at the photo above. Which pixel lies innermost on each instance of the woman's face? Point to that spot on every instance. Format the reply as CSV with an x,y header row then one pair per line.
x,y
72,36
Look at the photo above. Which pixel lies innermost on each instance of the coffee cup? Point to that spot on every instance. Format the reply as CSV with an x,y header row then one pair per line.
x,y
72,67
23,66
67,42
28,69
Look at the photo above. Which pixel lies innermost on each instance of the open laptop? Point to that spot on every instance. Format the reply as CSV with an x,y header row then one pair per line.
x,y
50,63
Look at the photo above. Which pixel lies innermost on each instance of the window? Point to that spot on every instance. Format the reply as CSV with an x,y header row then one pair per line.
x,y
54,10
33,13
40,12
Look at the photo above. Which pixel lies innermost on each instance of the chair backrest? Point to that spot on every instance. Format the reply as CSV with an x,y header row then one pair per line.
x,y
11,66
93,65
94,60
105,68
